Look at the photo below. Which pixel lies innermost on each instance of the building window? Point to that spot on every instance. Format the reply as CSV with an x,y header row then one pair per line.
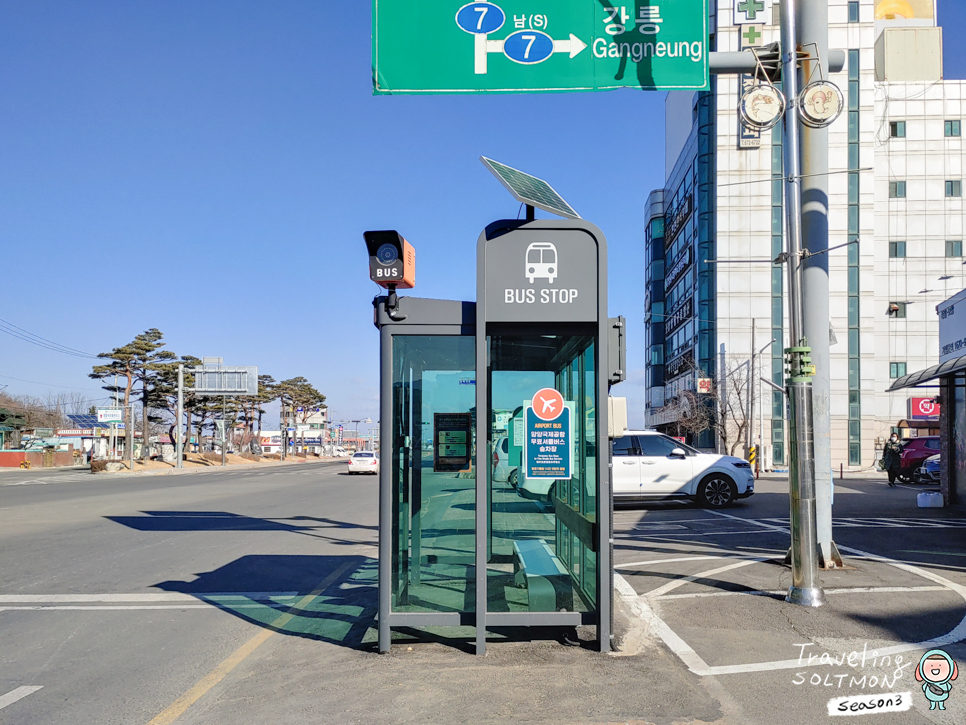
x,y
853,11
897,370
897,189
897,309
954,188
897,129
954,248
953,129
897,250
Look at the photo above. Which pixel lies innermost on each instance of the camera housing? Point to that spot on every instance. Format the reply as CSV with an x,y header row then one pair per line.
x,y
392,260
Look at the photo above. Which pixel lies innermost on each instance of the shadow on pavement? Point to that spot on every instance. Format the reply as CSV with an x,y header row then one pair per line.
x,y
226,521
265,589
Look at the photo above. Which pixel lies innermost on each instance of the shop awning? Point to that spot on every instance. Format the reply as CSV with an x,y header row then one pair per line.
x,y
941,370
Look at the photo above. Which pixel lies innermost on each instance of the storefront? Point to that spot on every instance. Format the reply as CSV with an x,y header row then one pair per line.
x,y
943,386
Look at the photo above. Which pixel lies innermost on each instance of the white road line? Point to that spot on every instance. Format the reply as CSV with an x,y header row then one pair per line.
x,y
121,607
18,694
660,591
675,560
692,533
783,592
135,598
697,665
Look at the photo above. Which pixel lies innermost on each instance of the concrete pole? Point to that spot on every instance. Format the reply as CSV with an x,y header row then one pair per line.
x,y
179,439
812,21
751,392
805,588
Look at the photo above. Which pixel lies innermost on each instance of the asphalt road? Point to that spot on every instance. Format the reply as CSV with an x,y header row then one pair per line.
x,y
247,596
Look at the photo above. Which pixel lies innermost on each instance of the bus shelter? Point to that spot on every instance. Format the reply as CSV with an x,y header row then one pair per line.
x,y
495,497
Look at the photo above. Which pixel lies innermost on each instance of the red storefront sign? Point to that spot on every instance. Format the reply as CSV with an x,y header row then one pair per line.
x,y
920,408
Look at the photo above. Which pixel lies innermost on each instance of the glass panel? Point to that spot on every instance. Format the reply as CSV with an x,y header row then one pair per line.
x,y
542,540
853,280
854,374
853,219
855,454
433,485
853,11
853,340
853,95
853,251
853,311
853,65
853,156
853,188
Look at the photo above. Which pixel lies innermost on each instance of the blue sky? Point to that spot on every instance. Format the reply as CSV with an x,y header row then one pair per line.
x,y
208,168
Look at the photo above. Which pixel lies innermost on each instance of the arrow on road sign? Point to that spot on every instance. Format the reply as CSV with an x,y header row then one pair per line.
x,y
484,45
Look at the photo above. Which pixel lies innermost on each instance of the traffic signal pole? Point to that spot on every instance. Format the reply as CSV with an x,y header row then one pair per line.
x,y
805,588
812,21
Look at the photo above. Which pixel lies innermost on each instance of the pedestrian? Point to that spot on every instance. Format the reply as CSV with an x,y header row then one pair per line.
x,y
891,457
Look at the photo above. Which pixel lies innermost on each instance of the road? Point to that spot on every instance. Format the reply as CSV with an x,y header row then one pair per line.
x,y
248,596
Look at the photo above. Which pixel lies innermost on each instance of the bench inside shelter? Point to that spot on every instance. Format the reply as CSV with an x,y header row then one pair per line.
x,y
547,581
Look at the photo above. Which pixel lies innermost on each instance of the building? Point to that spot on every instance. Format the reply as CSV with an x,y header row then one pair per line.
x,y
895,192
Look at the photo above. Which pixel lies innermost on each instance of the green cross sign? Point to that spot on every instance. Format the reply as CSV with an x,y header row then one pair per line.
x,y
538,46
751,8
752,35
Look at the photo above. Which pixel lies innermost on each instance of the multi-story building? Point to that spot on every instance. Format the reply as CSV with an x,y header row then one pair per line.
x,y
895,191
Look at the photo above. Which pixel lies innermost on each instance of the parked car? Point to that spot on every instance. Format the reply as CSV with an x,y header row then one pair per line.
x,y
928,472
502,471
650,465
914,452
364,462
341,452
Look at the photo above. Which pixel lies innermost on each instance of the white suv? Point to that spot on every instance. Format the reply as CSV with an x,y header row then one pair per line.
x,y
649,465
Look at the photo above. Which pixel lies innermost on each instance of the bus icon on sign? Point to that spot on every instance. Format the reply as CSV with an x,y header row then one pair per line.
x,y
541,262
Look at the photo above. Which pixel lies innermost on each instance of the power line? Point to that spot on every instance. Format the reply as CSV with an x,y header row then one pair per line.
x,y
52,385
27,336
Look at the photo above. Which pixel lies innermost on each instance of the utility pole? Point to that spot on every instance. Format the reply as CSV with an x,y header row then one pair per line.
x,y
751,393
812,21
224,425
805,588
179,442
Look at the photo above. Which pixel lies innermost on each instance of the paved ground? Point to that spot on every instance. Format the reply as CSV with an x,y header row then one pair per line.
x,y
248,596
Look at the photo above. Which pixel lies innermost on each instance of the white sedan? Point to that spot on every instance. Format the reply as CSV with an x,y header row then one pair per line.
x,y
364,462
648,465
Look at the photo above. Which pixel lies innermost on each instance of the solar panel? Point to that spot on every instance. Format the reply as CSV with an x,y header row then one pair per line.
x,y
86,421
529,189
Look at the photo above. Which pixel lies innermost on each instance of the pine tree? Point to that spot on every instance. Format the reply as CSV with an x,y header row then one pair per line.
x,y
140,362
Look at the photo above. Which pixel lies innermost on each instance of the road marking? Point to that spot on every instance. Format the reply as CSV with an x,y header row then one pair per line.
x,y
698,666
178,707
673,561
660,591
135,598
783,592
937,553
18,694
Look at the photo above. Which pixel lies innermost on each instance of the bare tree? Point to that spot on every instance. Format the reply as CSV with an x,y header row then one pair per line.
x,y
724,409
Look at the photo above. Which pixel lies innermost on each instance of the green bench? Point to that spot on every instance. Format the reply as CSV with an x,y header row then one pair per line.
x,y
547,581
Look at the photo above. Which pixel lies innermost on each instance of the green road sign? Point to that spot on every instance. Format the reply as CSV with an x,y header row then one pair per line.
x,y
532,46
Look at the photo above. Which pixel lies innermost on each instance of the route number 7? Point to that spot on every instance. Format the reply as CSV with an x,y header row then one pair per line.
x,y
531,38
482,11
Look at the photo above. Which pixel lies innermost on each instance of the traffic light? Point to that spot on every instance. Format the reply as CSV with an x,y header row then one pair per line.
x,y
392,260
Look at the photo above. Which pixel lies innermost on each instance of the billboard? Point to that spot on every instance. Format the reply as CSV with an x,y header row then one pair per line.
x,y
905,10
